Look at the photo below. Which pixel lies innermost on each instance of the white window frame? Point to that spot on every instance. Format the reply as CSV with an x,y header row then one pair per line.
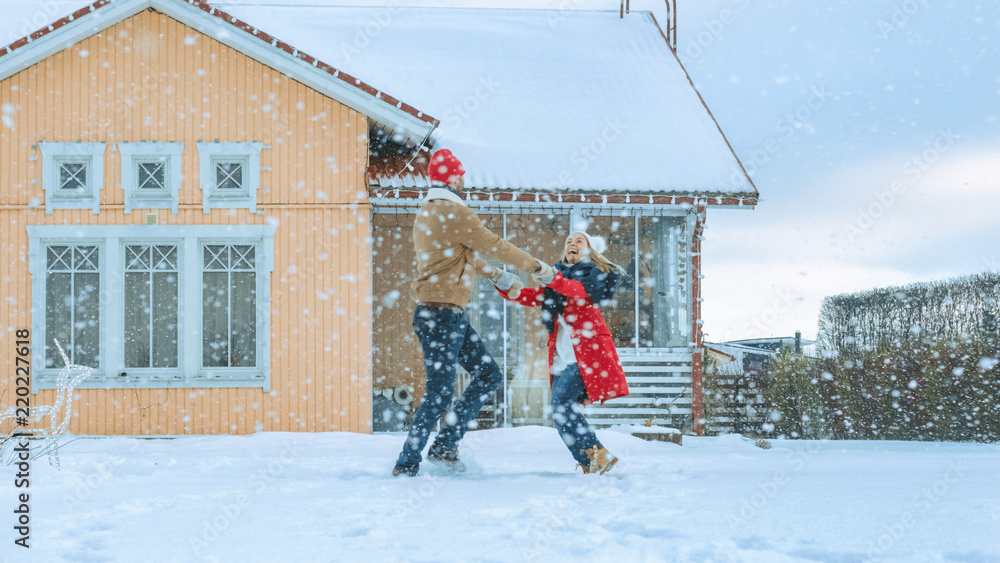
x,y
44,268
201,257
155,371
91,154
211,153
134,153
190,240
579,216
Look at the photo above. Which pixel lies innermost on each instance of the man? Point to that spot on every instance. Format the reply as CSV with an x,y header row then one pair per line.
x,y
446,236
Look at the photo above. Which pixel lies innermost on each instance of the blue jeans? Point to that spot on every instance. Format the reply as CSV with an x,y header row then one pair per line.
x,y
447,338
576,433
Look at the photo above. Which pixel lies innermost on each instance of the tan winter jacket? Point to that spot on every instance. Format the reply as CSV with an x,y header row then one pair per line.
x,y
446,236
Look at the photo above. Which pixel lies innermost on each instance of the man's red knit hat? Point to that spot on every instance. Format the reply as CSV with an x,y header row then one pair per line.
x,y
443,167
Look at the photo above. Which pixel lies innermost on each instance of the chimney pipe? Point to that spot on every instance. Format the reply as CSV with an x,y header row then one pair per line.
x,y
798,341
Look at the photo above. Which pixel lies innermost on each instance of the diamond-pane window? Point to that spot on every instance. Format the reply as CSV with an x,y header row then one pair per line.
x,y
173,306
229,175
229,178
151,176
72,178
151,306
72,175
229,318
72,312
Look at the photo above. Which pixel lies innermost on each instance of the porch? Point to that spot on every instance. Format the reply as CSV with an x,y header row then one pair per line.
x,y
650,320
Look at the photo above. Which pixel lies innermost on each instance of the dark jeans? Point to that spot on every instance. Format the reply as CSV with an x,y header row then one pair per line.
x,y
568,390
447,339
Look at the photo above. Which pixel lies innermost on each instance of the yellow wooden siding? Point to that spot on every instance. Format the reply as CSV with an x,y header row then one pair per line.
x,y
151,78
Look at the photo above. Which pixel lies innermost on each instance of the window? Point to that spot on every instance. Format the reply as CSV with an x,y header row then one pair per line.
x,y
72,178
229,299
527,358
154,306
151,178
152,284
72,296
72,175
229,175
664,278
650,309
618,231
230,178
151,175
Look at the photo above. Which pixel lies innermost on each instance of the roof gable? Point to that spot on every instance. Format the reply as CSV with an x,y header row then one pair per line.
x,y
403,119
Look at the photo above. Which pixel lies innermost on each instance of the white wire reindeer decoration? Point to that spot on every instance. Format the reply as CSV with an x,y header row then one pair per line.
x,y
69,377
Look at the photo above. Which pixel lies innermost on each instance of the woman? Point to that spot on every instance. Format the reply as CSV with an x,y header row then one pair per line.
x,y
583,362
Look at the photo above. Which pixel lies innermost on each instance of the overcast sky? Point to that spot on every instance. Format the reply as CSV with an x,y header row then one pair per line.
x,y
871,129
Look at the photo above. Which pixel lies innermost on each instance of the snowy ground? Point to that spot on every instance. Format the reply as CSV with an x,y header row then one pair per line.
x,y
329,497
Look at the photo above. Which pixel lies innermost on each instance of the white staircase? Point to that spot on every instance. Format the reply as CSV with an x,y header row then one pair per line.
x,y
659,385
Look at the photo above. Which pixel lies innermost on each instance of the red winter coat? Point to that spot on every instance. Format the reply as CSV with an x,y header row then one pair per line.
x,y
592,343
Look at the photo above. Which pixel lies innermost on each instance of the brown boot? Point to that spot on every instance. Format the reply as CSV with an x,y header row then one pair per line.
x,y
601,460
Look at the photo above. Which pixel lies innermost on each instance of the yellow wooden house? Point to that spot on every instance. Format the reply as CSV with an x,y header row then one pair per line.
x,y
183,205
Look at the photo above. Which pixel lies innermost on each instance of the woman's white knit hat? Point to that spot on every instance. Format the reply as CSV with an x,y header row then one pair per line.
x,y
596,243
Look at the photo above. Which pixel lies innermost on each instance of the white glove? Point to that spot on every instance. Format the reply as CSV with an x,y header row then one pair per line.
x,y
504,281
508,283
516,288
545,275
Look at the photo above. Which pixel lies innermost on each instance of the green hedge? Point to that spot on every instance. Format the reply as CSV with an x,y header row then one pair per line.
x,y
947,390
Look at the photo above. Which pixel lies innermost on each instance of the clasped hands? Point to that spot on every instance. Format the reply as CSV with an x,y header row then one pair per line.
x,y
512,285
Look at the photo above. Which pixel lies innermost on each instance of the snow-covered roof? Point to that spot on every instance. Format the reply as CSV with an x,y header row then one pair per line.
x,y
770,342
530,100
738,349
738,354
